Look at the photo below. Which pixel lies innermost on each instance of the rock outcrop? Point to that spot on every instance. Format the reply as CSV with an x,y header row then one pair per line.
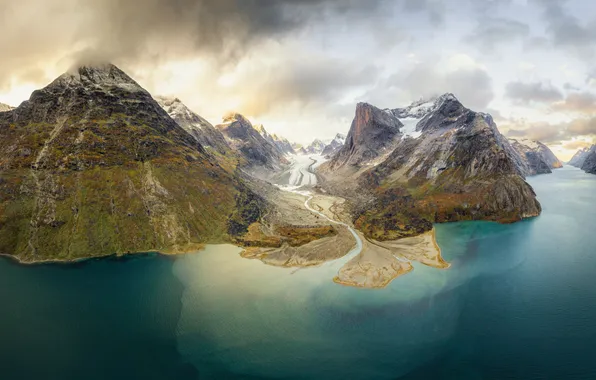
x,y
245,139
91,165
373,134
198,127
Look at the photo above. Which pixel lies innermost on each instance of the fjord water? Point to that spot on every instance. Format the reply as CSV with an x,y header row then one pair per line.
x,y
519,302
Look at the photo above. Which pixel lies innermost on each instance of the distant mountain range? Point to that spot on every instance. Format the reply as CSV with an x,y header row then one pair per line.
x,y
585,159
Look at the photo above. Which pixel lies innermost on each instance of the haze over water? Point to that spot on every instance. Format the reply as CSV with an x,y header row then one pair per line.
x,y
518,302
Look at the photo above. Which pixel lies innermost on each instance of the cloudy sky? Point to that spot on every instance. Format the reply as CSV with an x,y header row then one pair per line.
x,y
300,66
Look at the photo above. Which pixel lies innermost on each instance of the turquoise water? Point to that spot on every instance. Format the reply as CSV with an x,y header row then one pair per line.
x,y
519,302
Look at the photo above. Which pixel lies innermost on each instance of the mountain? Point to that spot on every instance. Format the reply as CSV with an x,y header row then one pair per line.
x,y
334,146
580,156
94,166
536,158
5,107
589,165
245,139
198,127
315,147
373,133
438,161
282,144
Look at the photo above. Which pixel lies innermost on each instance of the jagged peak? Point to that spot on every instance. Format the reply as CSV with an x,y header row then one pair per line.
x,y
102,75
232,117
261,129
168,100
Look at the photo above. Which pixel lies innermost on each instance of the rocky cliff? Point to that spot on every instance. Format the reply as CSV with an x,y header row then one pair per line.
x,y
92,165
373,134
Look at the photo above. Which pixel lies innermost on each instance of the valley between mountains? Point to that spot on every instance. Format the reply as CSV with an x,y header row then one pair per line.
x,y
93,165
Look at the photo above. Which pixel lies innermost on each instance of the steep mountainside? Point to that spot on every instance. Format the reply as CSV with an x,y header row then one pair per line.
x,y
198,127
457,167
244,138
334,146
282,144
531,160
91,165
374,133
580,156
5,107
589,165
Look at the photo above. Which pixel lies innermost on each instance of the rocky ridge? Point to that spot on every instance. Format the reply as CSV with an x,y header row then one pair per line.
x,y
282,144
195,125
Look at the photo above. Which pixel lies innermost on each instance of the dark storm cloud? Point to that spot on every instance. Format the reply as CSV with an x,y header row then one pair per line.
x,y
435,9
37,31
532,92
471,85
317,81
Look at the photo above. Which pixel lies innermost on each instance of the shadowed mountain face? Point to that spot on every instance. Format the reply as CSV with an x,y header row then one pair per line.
x,y
589,164
255,149
95,166
373,133
452,164
199,128
579,158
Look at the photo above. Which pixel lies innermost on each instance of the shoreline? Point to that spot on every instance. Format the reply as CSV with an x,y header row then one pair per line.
x,y
115,256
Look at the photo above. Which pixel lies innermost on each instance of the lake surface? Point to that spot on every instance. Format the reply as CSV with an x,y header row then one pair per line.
x,y
519,302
